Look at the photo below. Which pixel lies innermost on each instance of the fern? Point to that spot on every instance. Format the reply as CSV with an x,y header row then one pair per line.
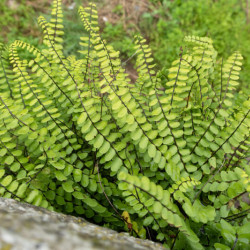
x,y
168,157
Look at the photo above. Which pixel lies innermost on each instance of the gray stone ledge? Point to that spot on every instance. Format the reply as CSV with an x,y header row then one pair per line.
x,y
26,227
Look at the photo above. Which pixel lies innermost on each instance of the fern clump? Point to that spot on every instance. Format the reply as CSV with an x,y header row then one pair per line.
x,y
164,158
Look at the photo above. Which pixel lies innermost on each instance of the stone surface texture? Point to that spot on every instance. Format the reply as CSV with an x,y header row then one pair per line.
x,y
26,227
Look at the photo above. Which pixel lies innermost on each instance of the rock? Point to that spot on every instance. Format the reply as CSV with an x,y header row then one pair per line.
x,y
26,227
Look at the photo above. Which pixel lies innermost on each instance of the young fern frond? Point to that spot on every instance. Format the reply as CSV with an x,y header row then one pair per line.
x,y
144,65
56,22
6,74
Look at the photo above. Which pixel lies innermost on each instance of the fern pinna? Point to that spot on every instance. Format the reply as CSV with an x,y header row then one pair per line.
x,y
164,158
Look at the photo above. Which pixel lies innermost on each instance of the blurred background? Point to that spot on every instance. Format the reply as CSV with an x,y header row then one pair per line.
x,y
164,23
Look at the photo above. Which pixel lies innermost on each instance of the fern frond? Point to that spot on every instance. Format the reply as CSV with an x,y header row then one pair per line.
x,y
167,154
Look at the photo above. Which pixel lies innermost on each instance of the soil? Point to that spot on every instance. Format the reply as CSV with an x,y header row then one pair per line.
x,y
128,12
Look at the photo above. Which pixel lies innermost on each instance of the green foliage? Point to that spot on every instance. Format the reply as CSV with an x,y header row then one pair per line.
x,y
225,21
163,159
167,22
16,18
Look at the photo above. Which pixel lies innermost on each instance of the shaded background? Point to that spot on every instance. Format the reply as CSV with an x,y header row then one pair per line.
x,y
164,23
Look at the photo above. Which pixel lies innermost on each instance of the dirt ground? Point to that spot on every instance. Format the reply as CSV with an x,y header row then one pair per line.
x,y
112,11
127,12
